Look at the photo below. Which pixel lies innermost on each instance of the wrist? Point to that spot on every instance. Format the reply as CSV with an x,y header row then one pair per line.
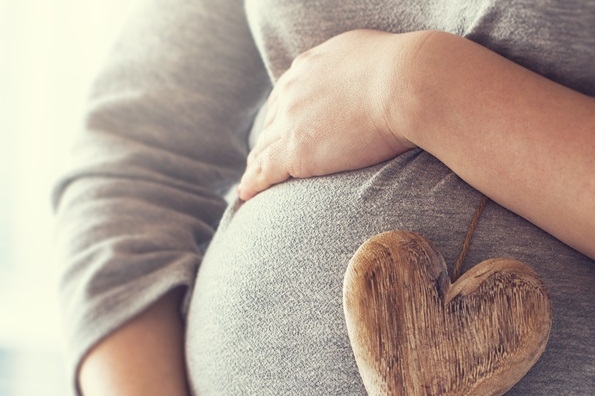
x,y
416,83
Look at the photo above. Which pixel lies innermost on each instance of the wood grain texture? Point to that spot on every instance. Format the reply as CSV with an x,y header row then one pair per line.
x,y
413,333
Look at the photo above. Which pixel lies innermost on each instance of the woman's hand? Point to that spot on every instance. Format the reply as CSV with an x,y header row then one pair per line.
x,y
365,96
327,113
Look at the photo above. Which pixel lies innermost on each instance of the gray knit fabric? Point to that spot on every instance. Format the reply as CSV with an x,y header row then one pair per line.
x,y
166,137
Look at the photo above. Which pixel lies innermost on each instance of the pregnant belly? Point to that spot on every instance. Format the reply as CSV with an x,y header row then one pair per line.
x,y
266,317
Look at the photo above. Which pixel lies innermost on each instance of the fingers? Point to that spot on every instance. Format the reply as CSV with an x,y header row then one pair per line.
x,y
271,110
267,168
268,135
268,161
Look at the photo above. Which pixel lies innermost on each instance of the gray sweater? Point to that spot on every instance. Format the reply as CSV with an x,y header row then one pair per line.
x,y
166,136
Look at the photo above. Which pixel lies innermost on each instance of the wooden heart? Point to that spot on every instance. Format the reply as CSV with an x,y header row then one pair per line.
x,y
414,333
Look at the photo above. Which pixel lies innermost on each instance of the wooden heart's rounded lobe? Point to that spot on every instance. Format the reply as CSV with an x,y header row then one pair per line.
x,y
414,334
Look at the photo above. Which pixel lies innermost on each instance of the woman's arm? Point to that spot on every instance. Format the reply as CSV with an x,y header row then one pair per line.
x,y
366,96
521,139
144,357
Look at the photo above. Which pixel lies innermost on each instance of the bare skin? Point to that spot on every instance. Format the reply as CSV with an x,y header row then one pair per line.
x,y
144,357
523,140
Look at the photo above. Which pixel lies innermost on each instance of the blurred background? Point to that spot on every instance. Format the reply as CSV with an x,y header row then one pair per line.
x,y
50,50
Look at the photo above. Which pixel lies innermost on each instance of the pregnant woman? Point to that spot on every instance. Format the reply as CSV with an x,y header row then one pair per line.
x,y
406,112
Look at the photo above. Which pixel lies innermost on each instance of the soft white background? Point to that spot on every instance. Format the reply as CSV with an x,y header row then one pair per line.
x,y
49,51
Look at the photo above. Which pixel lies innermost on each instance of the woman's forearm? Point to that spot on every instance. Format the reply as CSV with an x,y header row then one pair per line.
x,y
523,140
145,357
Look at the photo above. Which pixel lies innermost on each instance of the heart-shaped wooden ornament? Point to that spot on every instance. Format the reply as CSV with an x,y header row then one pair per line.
x,y
414,333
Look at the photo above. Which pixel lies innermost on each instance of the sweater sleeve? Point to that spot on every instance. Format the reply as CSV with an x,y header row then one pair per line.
x,y
164,138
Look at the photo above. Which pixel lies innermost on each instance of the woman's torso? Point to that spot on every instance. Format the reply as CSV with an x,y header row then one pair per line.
x,y
266,316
